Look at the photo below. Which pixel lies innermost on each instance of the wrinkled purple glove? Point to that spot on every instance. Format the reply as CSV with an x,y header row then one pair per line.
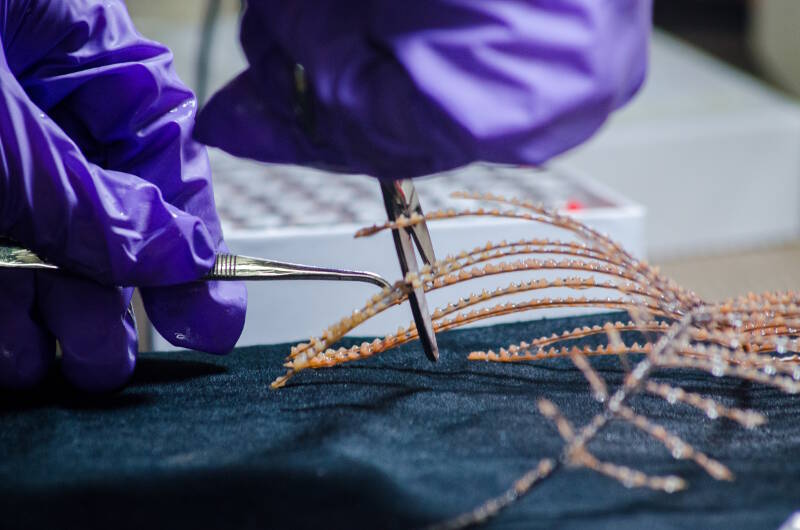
x,y
406,88
98,174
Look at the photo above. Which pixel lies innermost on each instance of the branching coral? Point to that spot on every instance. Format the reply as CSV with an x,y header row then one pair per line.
x,y
753,338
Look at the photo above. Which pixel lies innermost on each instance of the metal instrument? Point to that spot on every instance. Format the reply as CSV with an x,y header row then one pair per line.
x,y
400,198
226,267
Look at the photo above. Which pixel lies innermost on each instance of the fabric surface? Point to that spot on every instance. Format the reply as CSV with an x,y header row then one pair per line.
x,y
392,442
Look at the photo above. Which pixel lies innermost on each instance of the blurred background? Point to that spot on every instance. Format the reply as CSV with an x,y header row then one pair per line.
x,y
710,147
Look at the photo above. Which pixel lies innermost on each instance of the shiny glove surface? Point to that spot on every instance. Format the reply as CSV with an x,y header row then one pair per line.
x,y
400,89
99,175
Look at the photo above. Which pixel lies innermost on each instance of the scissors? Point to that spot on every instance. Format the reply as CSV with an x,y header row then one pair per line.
x,y
400,198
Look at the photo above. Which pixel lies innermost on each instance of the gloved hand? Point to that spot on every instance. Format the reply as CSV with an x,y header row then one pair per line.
x,y
98,174
400,89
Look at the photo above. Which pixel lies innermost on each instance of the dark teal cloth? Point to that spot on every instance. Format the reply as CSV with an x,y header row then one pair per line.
x,y
391,442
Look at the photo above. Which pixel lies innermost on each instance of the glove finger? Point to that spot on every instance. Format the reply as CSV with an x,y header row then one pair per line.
x,y
95,327
205,316
26,347
240,120
109,225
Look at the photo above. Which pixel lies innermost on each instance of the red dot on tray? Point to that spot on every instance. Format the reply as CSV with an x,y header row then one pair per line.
x,y
574,205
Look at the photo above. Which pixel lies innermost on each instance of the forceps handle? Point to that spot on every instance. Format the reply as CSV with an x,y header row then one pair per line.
x,y
226,267
233,267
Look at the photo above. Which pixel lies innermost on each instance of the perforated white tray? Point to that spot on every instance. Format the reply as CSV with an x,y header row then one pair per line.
x,y
309,216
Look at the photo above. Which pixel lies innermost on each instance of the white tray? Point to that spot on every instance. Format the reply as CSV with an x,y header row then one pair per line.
x,y
309,216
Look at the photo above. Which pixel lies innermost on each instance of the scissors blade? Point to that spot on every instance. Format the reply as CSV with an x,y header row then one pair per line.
x,y
419,232
395,198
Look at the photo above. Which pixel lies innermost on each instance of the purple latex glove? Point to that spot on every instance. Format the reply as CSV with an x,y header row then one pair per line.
x,y
99,175
403,89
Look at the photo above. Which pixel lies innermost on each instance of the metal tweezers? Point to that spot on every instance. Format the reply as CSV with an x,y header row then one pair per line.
x,y
226,267
400,198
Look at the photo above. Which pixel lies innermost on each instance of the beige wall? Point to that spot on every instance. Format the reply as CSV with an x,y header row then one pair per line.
x,y
177,24
181,11
775,40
